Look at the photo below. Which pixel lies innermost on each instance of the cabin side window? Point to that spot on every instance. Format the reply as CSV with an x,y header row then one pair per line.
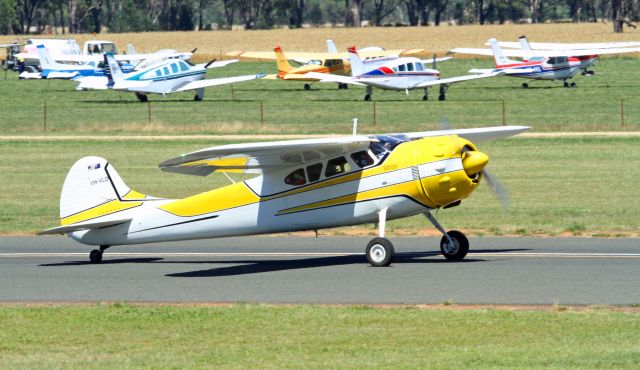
x,y
158,73
419,67
336,166
314,171
362,158
410,67
174,68
296,178
401,68
166,71
184,67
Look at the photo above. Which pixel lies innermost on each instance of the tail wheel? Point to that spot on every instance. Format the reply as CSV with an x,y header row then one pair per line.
x,y
380,252
458,249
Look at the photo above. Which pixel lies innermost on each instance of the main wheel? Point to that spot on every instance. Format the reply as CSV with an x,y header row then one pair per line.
x,y
307,87
460,246
525,85
425,97
573,85
566,84
442,97
380,252
95,256
142,97
367,97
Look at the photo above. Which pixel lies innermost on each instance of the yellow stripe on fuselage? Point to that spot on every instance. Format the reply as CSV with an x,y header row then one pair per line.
x,y
230,196
98,211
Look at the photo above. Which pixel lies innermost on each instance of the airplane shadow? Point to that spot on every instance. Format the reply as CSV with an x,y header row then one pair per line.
x,y
104,262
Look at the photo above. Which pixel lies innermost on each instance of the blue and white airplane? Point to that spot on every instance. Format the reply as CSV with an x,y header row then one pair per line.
x,y
51,69
404,73
163,77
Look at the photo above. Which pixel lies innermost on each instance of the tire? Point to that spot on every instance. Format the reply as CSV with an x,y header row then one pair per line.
x,y
307,87
367,97
460,249
442,97
142,97
380,252
425,97
95,256
525,85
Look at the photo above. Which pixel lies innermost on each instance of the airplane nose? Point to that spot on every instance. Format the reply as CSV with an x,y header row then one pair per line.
x,y
473,162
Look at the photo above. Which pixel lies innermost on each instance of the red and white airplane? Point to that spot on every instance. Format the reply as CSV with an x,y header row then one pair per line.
x,y
541,64
403,73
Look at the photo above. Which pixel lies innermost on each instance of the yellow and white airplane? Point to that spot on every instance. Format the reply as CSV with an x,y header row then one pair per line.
x,y
301,185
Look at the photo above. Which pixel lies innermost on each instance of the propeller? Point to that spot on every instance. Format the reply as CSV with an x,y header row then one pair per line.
x,y
475,159
194,51
210,63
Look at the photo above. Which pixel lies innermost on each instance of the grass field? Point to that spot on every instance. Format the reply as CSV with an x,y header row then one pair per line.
x,y
557,185
269,106
249,336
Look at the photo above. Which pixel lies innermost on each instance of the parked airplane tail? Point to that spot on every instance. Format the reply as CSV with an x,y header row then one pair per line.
x,y
357,67
283,64
46,60
498,55
331,47
524,43
115,72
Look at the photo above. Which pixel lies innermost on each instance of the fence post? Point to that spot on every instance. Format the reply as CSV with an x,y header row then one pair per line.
x,y
261,115
374,113
45,116
233,94
504,118
148,113
622,113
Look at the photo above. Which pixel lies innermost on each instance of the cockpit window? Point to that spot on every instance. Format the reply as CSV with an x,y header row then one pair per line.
x,y
337,166
362,158
419,67
314,171
184,67
385,144
296,177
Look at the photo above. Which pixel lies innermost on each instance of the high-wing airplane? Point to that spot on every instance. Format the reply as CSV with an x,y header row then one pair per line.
x,y
404,73
540,64
328,65
51,69
306,184
164,77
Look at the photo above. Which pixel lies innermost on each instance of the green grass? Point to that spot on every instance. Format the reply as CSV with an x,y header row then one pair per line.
x,y
287,108
250,336
578,185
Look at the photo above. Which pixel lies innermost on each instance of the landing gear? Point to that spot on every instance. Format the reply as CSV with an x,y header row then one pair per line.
x,y
367,97
95,256
425,97
457,248
197,98
342,86
443,90
454,245
588,73
142,97
307,86
380,251
525,85
572,85
369,93
199,95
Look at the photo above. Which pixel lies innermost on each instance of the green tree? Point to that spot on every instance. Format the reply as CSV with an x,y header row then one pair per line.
x,y
8,17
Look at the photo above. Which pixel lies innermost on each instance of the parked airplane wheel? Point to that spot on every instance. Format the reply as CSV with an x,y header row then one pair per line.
x,y
307,87
197,98
525,85
367,97
342,86
573,85
425,97
380,252
442,97
566,84
460,246
95,256
142,97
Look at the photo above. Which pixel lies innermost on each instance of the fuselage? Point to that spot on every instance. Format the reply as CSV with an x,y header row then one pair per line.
x,y
556,68
398,74
405,177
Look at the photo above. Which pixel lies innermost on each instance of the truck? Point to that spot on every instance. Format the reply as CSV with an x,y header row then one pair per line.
x,y
28,59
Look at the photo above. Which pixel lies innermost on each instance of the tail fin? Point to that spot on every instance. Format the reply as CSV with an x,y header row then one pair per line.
x,y
115,72
357,67
131,49
498,56
46,61
283,64
93,189
524,43
331,47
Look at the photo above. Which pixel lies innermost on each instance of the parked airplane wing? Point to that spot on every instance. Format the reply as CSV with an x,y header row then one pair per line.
x,y
302,56
475,135
261,157
569,46
327,77
527,54
217,81
460,79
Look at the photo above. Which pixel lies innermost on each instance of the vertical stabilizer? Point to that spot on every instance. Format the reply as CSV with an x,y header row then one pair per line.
x,y
498,55
357,67
131,49
115,72
331,47
524,43
281,61
46,60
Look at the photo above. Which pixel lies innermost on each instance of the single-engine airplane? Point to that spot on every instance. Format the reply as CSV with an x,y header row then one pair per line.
x,y
403,73
540,64
164,77
306,184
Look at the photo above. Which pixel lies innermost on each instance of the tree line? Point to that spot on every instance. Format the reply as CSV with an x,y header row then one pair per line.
x,y
83,16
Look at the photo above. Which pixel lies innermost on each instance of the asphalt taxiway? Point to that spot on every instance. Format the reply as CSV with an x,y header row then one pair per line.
x,y
288,269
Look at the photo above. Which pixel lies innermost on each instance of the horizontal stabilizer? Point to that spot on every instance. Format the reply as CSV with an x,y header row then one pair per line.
x,y
83,226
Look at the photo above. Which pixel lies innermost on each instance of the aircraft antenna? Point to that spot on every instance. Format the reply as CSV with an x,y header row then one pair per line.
x,y
355,126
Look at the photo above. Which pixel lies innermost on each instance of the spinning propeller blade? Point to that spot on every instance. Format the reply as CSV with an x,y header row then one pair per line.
x,y
210,63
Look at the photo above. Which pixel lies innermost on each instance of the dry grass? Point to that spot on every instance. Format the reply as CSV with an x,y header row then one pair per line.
x,y
435,39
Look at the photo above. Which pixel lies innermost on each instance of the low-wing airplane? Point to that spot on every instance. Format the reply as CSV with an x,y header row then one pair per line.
x,y
540,64
306,184
164,77
50,69
403,73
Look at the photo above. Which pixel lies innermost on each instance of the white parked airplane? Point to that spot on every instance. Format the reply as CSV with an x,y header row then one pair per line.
x,y
164,77
302,185
405,73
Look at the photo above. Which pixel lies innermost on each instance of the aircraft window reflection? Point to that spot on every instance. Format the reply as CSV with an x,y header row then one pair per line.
x,y
401,68
315,62
166,71
385,144
395,69
336,166
419,67
158,72
536,59
184,66
296,178
174,68
362,158
410,67
314,171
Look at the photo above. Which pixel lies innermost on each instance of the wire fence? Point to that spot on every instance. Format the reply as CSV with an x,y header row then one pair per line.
x,y
318,117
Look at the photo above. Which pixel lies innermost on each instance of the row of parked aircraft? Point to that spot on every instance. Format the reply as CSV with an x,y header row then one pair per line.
x,y
169,71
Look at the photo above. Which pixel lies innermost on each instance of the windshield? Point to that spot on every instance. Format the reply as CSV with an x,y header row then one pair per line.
x,y
385,144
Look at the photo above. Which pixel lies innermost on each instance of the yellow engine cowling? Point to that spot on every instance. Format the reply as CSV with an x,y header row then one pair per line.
x,y
454,168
